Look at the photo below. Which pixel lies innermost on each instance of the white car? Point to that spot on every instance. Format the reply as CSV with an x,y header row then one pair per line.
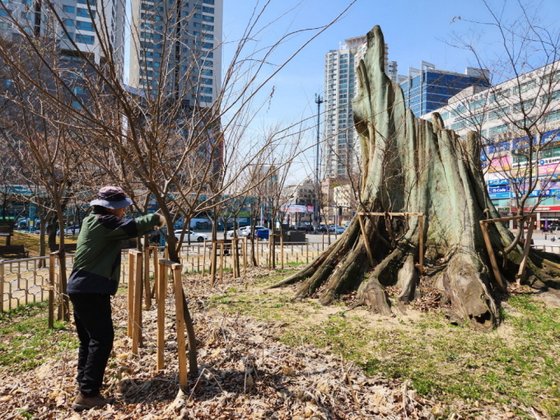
x,y
244,231
191,236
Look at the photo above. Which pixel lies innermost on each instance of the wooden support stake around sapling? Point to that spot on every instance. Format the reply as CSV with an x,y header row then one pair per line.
x,y
147,288
526,249
491,255
161,282
180,327
137,317
130,294
52,263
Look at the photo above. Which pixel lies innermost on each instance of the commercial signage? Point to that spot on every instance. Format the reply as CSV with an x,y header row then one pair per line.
x,y
297,208
502,189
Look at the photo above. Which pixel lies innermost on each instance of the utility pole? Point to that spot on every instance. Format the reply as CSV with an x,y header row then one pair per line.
x,y
316,210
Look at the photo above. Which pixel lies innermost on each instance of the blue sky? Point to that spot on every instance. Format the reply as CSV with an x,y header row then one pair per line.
x,y
415,30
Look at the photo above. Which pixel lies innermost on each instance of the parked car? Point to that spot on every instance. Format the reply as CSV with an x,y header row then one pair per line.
x,y
322,228
307,227
261,232
242,231
191,236
72,230
338,229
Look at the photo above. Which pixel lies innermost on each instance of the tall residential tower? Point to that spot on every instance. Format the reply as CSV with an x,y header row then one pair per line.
x,y
92,27
339,90
176,46
339,148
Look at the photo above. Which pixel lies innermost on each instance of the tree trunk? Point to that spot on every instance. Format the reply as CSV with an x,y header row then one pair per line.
x,y
412,165
173,252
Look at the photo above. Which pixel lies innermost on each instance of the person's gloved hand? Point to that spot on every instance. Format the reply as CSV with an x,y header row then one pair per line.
x,y
161,221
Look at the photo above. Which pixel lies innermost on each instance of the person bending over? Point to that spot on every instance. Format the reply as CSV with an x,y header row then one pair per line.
x,y
94,279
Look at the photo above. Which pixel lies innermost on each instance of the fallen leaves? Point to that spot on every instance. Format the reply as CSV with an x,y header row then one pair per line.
x,y
244,372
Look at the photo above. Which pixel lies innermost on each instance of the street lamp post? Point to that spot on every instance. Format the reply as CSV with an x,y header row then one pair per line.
x,y
316,211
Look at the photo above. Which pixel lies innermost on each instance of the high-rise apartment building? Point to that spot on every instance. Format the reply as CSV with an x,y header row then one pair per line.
x,y
72,23
339,148
14,15
340,77
176,46
428,88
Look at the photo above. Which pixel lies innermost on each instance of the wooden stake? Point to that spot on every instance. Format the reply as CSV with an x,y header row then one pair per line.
x,y
421,244
180,320
130,292
137,321
221,261
526,249
147,288
52,262
245,256
495,269
204,259
365,239
161,281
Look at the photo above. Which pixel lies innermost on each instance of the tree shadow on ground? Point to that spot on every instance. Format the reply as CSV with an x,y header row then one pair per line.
x,y
157,389
212,383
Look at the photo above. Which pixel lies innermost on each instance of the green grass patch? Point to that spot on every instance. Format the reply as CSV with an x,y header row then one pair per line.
x,y
518,364
25,340
31,241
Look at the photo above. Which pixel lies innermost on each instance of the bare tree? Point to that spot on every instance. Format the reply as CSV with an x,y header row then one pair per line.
x,y
518,149
163,142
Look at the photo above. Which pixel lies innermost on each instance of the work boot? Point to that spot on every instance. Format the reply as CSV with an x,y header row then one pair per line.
x,y
83,402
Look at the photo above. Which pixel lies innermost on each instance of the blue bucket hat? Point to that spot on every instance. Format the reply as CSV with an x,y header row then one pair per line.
x,y
111,198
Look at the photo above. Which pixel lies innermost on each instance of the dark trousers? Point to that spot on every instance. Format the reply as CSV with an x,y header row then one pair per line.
x,y
92,314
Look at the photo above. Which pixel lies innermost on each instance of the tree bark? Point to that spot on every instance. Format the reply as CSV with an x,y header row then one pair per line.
x,y
411,165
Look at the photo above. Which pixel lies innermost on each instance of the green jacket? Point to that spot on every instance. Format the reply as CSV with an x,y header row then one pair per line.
x,y
97,264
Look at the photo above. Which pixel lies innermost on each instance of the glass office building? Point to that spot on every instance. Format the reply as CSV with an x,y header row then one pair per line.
x,y
427,88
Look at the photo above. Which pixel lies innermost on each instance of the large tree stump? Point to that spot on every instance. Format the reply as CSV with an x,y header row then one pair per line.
x,y
413,165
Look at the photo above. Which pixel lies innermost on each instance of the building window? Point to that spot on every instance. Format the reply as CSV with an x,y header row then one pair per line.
x,y
69,9
85,39
88,2
85,26
85,13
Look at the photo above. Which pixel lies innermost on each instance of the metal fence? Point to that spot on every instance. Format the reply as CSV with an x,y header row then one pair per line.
x,y
26,281
554,249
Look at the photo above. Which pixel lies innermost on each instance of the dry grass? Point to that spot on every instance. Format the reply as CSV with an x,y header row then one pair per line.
x,y
31,241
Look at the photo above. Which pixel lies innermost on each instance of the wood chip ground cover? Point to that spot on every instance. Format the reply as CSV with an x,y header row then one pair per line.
x,y
263,356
